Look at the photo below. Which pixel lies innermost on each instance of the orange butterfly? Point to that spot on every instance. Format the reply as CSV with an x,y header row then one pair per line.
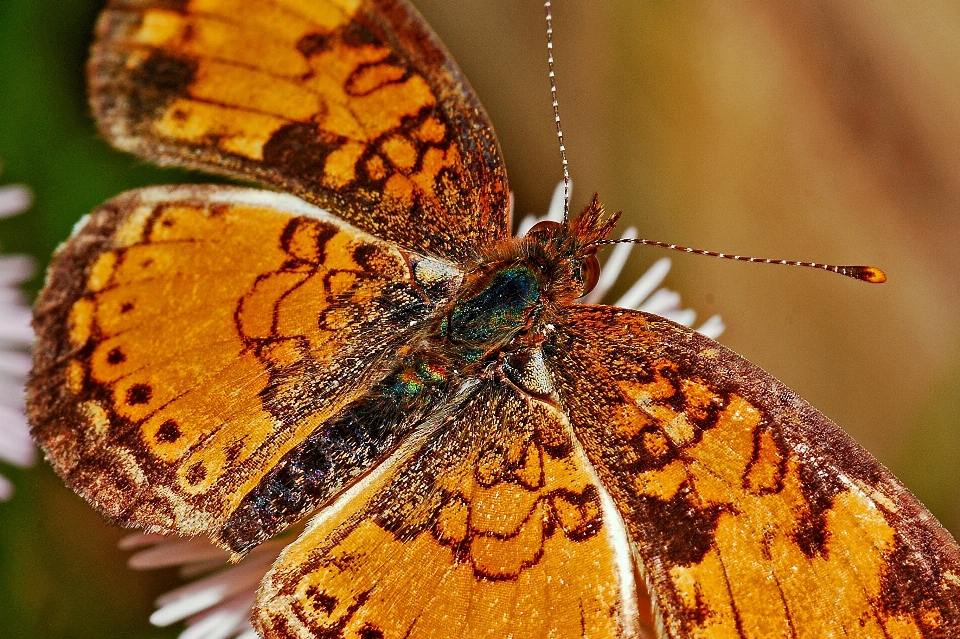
x,y
486,457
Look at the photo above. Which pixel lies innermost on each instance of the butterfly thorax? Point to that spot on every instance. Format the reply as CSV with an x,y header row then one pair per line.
x,y
495,305
501,309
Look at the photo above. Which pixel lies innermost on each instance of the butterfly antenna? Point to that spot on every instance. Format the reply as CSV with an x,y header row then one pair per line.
x,y
556,112
863,273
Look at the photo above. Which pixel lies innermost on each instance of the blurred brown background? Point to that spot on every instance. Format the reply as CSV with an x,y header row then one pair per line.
x,y
812,130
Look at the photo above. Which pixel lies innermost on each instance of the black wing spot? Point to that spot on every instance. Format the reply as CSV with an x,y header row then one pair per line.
x,y
168,432
196,473
367,256
301,148
684,532
353,34
313,43
322,601
139,394
370,631
160,79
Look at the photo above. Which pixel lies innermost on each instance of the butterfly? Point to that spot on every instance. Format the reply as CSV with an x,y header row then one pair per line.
x,y
481,455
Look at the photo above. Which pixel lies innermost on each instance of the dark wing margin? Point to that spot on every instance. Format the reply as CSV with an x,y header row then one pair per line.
x,y
749,511
352,105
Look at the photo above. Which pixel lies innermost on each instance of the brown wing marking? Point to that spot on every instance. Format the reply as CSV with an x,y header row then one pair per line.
x,y
493,527
352,105
752,514
189,337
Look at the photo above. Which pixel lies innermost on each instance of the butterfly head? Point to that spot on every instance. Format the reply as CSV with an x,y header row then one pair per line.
x,y
572,249
518,283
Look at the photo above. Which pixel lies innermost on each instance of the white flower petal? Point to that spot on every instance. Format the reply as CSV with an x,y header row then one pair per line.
x,y
249,633
139,540
22,455
644,286
197,568
15,364
526,224
662,301
15,269
14,198
174,553
685,316
229,581
16,447
15,329
555,212
227,588
223,622
713,327
183,608
12,392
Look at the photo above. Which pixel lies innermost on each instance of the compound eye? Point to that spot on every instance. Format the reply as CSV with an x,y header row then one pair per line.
x,y
543,230
589,273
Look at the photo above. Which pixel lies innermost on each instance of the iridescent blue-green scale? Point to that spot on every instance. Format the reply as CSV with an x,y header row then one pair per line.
x,y
417,374
495,313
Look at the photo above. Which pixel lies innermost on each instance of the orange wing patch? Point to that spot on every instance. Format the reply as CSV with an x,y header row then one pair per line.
x,y
283,317
492,527
313,96
752,514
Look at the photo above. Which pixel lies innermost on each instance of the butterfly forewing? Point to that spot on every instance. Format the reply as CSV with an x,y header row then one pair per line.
x,y
193,341
353,105
752,514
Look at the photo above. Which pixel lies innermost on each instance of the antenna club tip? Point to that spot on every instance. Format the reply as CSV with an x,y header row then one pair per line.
x,y
871,274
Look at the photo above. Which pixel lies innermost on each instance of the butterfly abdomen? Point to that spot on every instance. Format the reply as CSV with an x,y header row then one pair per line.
x,y
313,472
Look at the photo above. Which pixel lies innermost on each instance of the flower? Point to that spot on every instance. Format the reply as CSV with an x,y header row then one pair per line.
x,y
218,603
16,336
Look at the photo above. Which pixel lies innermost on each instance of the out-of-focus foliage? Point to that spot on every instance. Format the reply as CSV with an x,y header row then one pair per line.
x,y
812,130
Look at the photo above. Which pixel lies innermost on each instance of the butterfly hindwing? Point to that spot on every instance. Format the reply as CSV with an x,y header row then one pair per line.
x,y
191,339
492,524
351,104
752,514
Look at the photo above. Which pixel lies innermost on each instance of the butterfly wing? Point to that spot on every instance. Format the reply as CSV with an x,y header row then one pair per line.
x,y
490,523
752,515
195,343
353,105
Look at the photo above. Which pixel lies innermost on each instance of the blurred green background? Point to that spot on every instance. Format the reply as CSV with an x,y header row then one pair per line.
x,y
812,130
